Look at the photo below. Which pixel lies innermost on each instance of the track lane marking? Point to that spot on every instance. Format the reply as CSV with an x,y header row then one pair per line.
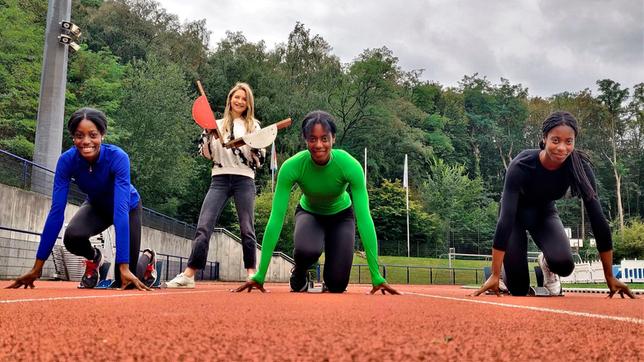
x,y
120,295
538,309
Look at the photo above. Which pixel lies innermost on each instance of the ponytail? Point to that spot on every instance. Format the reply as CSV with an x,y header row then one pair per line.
x,y
581,186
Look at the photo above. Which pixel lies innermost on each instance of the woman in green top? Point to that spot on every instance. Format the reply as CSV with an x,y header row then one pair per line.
x,y
324,218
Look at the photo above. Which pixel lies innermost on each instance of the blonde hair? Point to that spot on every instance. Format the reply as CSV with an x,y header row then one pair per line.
x,y
249,113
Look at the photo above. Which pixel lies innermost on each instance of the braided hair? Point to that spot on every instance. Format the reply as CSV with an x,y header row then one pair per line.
x,y
581,185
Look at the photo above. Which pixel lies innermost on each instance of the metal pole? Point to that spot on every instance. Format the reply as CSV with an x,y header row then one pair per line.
x,y
167,266
408,250
365,166
406,184
24,174
51,103
583,224
359,276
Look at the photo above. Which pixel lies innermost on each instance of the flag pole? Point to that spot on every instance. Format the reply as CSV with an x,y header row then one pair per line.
x,y
406,185
365,166
408,252
273,166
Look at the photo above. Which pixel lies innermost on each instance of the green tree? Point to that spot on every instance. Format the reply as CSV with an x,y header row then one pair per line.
x,y
630,243
263,207
510,116
94,79
427,96
21,48
468,217
370,81
137,29
157,133
479,106
633,149
613,96
389,213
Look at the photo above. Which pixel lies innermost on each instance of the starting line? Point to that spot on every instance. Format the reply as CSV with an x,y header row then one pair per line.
x,y
120,295
538,309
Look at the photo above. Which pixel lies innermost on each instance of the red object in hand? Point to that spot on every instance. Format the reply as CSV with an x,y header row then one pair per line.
x,y
202,113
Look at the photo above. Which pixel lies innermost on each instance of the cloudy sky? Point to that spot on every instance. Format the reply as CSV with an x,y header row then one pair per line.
x,y
547,46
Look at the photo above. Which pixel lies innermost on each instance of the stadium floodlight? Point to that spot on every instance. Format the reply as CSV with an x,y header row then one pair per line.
x,y
72,28
67,40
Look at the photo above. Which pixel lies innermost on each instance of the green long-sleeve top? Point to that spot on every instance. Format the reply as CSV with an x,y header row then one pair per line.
x,y
324,192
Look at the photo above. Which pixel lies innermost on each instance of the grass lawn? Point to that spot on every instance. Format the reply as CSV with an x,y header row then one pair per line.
x,y
403,270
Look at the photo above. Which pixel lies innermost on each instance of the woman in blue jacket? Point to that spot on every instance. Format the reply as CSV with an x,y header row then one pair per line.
x,y
101,171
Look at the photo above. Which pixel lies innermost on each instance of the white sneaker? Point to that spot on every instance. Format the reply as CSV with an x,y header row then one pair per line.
x,y
502,287
550,279
180,281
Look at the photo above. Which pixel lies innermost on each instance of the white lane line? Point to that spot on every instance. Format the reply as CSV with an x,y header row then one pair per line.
x,y
120,295
539,309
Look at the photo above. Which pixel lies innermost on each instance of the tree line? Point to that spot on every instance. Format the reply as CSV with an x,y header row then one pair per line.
x,y
138,63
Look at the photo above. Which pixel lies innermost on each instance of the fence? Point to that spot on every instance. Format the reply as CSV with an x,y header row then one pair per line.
x,y
406,274
18,255
18,172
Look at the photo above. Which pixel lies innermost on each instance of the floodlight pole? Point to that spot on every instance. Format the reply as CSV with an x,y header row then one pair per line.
x,y
51,103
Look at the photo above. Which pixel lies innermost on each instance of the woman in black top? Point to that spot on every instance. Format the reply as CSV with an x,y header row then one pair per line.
x,y
534,180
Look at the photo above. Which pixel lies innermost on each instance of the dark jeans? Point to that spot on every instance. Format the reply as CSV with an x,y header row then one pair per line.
x,y
548,233
222,187
91,220
336,235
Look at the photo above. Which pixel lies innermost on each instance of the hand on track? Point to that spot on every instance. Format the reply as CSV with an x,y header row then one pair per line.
x,y
492,283
26,280
384,288
127,279
616,286
249,285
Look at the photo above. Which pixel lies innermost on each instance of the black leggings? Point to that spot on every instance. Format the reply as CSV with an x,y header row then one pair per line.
x,y
90,220
333,233
548,233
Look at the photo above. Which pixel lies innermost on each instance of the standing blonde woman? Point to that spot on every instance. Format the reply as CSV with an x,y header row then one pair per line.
x,y
233,174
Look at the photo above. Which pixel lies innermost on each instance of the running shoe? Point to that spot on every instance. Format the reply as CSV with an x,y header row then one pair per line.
x,y
90,278
550,279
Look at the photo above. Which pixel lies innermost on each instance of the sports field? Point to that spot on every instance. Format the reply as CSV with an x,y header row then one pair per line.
x,y
428,323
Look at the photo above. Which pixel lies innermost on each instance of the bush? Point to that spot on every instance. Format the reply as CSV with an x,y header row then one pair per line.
x,y
631,245
18,145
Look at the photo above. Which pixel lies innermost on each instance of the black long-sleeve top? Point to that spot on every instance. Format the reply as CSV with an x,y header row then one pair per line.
x,y
529,184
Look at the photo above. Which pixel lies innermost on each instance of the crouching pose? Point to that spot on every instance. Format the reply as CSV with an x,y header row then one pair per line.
x,y
534,180
325,217
102,171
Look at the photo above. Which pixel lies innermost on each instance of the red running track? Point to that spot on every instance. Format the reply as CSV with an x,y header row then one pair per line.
x,y
56,321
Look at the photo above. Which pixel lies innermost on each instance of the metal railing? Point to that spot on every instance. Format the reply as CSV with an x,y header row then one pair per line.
x,y
21,258
408,274
275,253
17,171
